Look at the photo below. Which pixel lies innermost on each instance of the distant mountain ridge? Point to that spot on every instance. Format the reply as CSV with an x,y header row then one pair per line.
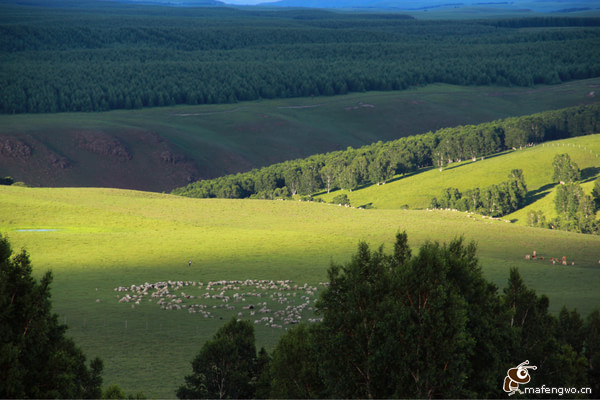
x,y
533,5
389,4
177,3
92,4
561,6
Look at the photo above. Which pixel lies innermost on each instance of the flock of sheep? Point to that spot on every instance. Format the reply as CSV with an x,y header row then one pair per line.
x,y
271,303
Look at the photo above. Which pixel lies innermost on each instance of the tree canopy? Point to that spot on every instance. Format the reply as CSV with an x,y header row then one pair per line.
x,y
37,360
226,366
495,200
565,170
423,325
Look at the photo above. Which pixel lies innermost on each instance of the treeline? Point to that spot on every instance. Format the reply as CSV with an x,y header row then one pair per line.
x,y
495,200
536,22
7,181
576,211
104,59
379,162
408,326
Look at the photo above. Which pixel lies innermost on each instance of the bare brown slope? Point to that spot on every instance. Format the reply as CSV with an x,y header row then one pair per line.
x,y
122,159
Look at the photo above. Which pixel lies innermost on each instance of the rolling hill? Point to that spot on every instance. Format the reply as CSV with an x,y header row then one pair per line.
x,y
94,214
98,240
186,143
417,190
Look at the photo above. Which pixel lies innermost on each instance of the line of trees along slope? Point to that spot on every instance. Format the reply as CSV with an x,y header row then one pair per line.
x,y
495,200
379,162
95,60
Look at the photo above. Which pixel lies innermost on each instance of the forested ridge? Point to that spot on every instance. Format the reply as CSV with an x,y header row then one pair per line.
x,y
56,60
379,162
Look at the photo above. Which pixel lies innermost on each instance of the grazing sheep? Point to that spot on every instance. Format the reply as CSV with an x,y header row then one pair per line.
x,y
282,292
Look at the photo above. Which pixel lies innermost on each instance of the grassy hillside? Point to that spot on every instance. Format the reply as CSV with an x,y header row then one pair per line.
x,y
179,144
96,240
416,190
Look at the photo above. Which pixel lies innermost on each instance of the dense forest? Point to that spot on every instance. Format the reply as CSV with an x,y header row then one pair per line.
x,y
55,60
379,162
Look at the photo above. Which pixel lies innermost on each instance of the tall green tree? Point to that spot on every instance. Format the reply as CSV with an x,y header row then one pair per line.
x,y
262,380
434,343
225,367
592,349
516,133
354,326
487,320
310,180
354,173
329,173
37,360
536,336
596,194
294,369
400,325
567,199
381,168
517,190
570,329
565,170
293,179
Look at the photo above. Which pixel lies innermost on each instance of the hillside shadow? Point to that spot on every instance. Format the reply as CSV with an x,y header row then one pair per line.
x,y
319,193
535,195
448,167
453,166
409,174
589,174
367,185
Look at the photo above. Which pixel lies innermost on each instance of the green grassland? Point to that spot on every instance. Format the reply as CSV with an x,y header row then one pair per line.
x,y
96,240
190,142
417,190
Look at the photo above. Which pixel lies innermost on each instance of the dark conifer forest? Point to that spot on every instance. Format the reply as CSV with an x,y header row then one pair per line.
x,y
126,57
